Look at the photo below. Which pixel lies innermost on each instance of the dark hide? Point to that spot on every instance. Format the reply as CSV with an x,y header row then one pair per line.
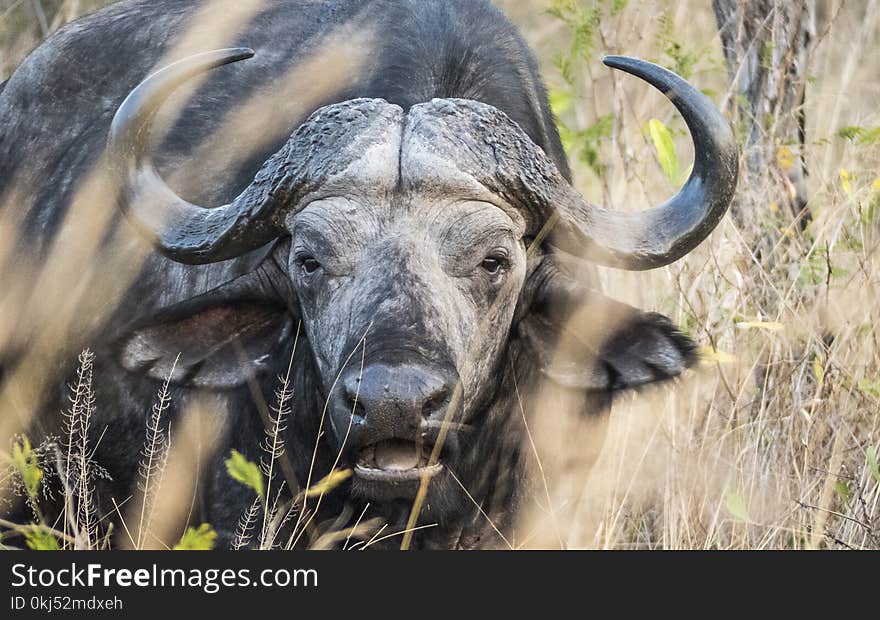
x,y
235,322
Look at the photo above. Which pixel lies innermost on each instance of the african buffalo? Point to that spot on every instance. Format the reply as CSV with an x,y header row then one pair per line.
x,y
410,229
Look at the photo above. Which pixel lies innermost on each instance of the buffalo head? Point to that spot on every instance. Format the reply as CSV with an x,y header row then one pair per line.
x,y
416,243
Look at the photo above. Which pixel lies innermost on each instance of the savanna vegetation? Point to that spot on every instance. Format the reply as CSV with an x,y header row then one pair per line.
x,y
771,443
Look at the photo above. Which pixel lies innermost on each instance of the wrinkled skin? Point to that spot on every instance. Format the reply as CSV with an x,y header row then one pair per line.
x,y
404,272
414,260
409,283
410,280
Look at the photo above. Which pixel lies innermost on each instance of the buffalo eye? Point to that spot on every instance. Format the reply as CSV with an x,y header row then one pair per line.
x,y
309,265
493,265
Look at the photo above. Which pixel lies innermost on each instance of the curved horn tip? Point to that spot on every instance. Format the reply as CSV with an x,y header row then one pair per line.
x,y
610,59
191,236
675,228
635,66
215,58
240,53
619,62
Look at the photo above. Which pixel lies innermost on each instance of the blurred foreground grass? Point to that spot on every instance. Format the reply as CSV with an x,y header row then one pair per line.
x,y
773,442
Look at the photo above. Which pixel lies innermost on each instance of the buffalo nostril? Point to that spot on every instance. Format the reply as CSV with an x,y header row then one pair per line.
x,y
394,400
355,406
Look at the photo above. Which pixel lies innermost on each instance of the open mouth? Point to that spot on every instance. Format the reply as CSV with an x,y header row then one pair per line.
x,y
396,460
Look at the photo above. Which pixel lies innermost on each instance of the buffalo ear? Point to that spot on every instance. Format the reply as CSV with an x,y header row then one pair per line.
x,y
647,349
220,344
584,340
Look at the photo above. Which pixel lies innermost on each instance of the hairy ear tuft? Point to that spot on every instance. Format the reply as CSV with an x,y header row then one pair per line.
x,y
216,347
584,340
646,349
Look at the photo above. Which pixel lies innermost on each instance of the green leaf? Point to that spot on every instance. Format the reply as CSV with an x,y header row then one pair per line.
x,y
560,101
819,372
563,64
561,8
871,459
843,492
665,148
329,482
245,472
846,178
767,55
197,539
871,387
584,25
850,132
587,141
40,540
816,269
871,136
566,137
736,506
860,135
27,465
683,60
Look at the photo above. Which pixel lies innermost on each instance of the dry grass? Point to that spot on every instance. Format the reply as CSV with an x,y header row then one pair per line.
x,y
766,445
